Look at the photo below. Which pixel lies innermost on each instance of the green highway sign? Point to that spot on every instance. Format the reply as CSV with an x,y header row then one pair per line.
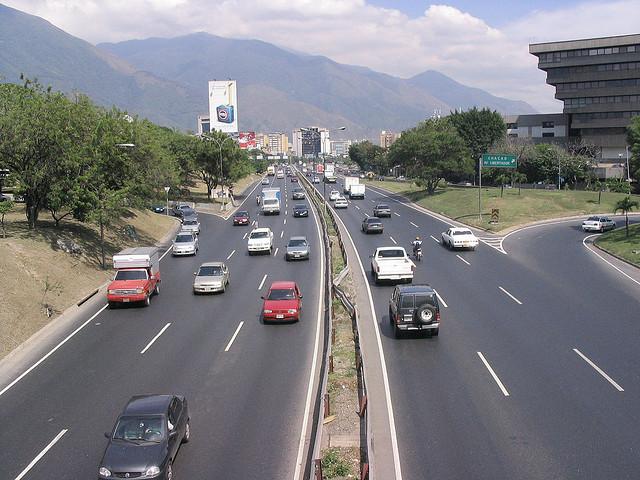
x,y
499,160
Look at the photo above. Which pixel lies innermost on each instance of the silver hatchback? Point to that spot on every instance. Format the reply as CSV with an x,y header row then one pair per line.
x,y
297,249
211,277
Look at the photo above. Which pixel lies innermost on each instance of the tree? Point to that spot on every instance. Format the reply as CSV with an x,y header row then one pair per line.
x,y
216,156
5,207
479,129
369,157
633,139
626,205
431,151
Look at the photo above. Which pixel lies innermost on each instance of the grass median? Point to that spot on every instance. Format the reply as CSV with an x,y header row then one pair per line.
x,y
516,206
617,243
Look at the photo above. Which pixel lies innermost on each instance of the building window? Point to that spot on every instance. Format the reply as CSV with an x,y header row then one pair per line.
x,y
512,125
548,134
548,124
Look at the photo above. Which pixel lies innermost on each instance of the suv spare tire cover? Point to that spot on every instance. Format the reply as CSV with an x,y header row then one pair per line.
x,y
426,313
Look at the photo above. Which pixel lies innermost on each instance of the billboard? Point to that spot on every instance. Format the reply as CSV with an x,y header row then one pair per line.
x,y
247,140
223,105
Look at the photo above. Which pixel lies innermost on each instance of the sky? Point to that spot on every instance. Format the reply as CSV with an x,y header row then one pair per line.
x,y
484,44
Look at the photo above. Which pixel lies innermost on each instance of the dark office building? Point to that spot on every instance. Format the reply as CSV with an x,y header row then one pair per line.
x,y
599,82
311,144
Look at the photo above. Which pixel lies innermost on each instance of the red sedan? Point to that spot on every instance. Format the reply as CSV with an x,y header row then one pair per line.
x,y
241,218
282,303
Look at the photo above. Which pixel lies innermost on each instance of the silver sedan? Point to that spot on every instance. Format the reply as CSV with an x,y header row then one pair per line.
x,y
211,277
297,249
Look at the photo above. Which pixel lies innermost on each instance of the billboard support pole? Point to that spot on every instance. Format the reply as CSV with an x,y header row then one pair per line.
x,y
480,189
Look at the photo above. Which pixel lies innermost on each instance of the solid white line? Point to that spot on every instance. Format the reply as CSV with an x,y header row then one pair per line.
x,y
245,235
166,251
493,374
234,337
32,367
441,299
309,400
438,241
366,215
463,259
607,261
41,454
414,224
599,370
395,243
512,297
276,252
155,338
231,255
397,214
385,376
262,282
281,233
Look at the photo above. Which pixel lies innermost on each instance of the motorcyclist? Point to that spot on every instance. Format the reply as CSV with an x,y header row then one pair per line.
x,y
258,199
416,244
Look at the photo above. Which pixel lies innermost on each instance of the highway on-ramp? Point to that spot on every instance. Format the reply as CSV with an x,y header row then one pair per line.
x,y
535,371
247,383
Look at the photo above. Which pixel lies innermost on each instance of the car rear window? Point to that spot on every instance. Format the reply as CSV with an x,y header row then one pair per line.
x,y
462,232
391,253
422,298
406,301
190,222
242,214
593,219
301,206
373,220
282,294
383,206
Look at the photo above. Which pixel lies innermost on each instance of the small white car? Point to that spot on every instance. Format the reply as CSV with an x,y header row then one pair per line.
x,y
316,180
340,202
280,174
334,195
260,241
191,224
459,237
185,243
598,224
265,181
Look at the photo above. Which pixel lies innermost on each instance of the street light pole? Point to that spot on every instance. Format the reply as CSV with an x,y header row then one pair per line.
x,y
626,148
166,191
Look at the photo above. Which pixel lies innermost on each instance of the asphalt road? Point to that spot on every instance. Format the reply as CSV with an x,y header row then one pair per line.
x,y
535,371
246,397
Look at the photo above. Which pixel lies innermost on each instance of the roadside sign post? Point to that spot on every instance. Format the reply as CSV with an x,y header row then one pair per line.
x,y
493,160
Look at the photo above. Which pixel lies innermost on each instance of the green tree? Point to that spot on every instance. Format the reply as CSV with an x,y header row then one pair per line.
x,y
216,156
633,139
626,205
369,157
430,151
5,207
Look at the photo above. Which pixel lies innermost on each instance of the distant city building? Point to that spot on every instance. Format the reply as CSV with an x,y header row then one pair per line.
x,y
204,124
387,138
311,142
598,80
340,148
539,128
278,142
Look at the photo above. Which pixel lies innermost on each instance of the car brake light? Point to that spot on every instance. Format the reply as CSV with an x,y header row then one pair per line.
x,y
438,317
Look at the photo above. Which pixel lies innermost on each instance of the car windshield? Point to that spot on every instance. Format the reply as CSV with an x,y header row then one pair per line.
x,y
140,428
282,294
259,235
462,232
184,238
297,243
391,253
210,271
131,275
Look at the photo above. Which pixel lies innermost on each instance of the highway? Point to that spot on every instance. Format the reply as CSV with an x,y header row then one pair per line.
x,y
246,383
535,371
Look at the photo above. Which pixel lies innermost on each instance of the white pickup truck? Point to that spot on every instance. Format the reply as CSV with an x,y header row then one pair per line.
x,y
392,263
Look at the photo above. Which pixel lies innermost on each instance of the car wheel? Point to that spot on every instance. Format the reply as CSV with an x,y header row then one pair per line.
x,y
224,288
187,433
169,474
391,317
426,314
396,331
435,331
375,278
156,291
147,300
112,305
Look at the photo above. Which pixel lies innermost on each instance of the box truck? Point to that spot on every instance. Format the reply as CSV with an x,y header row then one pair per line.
x,y
137,276
348,181
270,201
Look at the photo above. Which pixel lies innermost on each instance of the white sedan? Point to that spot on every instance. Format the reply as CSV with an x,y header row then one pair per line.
x,y
334,195
260,241
598,224
340,202
458,237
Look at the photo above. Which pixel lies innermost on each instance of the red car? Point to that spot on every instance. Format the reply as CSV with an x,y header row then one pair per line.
x,y
294,179
282,303
241,218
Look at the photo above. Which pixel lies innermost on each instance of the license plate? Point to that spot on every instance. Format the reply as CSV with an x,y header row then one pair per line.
x,y
125,300
296,255
279,316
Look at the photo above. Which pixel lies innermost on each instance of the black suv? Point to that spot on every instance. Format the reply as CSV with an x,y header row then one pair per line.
x,y
414,307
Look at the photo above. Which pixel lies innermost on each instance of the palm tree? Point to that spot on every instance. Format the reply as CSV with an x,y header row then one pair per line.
x,y
626,205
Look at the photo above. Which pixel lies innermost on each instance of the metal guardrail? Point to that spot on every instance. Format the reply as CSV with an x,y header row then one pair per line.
x,y
337,292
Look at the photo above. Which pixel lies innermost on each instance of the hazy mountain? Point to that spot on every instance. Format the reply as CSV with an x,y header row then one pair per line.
x,y
279,89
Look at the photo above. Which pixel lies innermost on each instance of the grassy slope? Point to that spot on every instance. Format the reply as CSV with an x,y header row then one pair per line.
x,y
461,203
29,261
619,244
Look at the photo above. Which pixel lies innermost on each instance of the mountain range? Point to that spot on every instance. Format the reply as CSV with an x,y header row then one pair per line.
x,y
165,80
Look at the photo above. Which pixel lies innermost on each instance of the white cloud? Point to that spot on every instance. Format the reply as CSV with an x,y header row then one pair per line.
x,y
351,31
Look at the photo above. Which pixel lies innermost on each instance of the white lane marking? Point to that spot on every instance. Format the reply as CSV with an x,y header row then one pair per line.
x,y
441,299
166,251
41,454
51,352
463,259
155,338
234,337
231,255
276,252
245,235
599,370
285,221
396,214
357,207
309,400
512,297
607,261
437,241
281,233
366,215
414,224
262,282
394,242
493,374
385,376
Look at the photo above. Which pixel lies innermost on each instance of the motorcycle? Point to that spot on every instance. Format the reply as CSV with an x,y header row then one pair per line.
x,y
417,252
